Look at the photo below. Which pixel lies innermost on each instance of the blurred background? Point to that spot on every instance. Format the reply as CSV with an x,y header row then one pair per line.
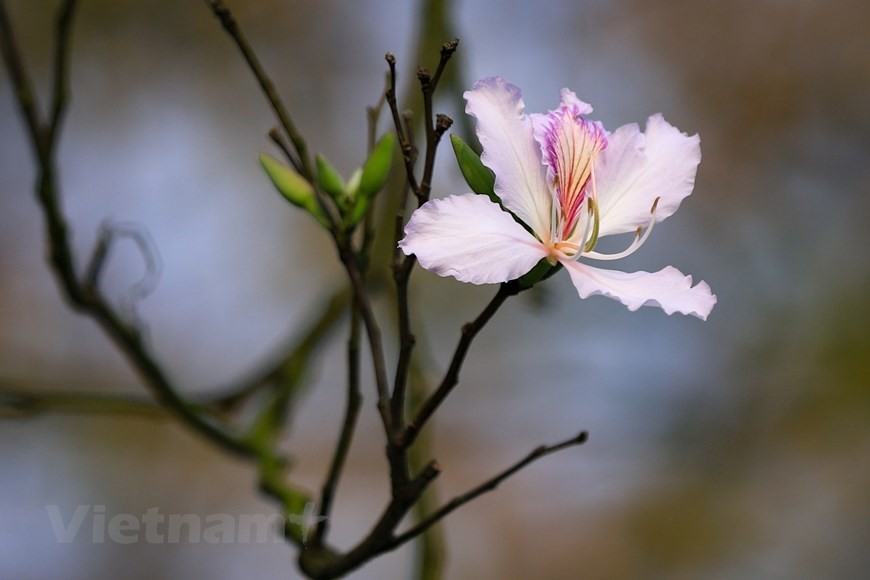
x,y
735,448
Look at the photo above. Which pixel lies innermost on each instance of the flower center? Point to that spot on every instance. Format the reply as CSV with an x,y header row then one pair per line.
x,y
570,145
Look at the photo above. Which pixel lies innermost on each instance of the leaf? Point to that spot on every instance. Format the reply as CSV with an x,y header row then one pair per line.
x,y
479,177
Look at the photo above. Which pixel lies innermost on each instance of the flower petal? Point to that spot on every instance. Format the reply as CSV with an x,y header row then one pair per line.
x,y
668,288
472,239
637,168
569,144
569,99
510,150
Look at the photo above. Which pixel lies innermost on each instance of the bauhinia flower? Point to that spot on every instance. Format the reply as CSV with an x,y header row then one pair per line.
x,y
563,182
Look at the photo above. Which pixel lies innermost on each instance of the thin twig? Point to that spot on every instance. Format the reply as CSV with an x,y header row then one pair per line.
x,y
403,266
406,347
17,404
451,378
373,333
488,485
24,92
447,50
406,143
62,52
278,139
43,148
381,538
406,124
229,24
351,413
434,130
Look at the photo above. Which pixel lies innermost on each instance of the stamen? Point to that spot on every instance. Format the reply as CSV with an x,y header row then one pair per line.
x,y
578,234
635,245
561,246
596,214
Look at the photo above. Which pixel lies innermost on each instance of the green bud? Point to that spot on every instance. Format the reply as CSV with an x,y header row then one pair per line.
x,y
329,179
478,176
293,187
358,211
377,167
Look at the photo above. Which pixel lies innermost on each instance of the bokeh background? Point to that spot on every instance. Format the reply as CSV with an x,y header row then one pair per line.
x,y
735,448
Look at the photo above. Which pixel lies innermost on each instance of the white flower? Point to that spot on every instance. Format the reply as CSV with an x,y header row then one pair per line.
x,y
570,183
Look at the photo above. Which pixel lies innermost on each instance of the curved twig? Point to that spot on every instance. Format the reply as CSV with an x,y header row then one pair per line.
x,y
488,485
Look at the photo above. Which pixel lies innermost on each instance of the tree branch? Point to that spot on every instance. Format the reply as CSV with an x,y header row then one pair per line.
x,y
351,413
403,266
434,129
18,403
348,259
24,92
380,539
62,53
488,485
229,24
406,143
451,378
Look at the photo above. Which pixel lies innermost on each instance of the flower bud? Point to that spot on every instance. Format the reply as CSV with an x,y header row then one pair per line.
x,y
329,179
377,167
478,176
295,188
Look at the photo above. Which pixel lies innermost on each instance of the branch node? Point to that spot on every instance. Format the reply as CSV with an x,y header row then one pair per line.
x,y
448,48
442,123
425,77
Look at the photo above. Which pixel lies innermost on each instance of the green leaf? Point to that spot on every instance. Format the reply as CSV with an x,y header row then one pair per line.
x,y
478,176
329,178
293,187
377,167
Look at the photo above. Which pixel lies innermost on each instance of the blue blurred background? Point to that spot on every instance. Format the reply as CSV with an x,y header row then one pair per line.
x,y
735,448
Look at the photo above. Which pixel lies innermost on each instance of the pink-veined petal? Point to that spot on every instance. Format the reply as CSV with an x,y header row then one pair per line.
x,y
510,150
472,239
569,145
668,288
637,168
569,99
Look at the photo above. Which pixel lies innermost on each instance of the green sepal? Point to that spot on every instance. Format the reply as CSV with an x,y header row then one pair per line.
x,y
542,270
377,167
293,187
479,177
329,179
